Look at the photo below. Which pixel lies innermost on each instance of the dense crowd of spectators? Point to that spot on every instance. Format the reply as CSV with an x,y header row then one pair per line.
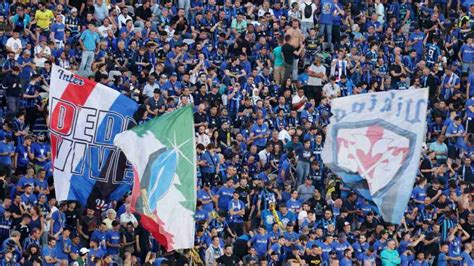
x,y
261,76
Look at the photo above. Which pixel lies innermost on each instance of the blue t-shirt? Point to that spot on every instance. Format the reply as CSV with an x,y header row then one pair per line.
x,y
420,263
419,193
6,148
205,196
293,205
28,200
453,129
59,31
268,219
260,131
288,217
59,219
40,150
260,243
236,205
418,45
339,248
211,160
112,237
201,215
49,252
97,253
360,249
442,260
467,53
406,260
26,181
467,259
62,244
432,53
345,262
90,40
41,183
22,159
326,248
327,11
100,238
225,196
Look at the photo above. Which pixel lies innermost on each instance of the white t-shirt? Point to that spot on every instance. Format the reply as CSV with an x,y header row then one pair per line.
x,y
312,81
122,20
303,7
39,61
380,10
148,89
125,218
263,155
284,136
331,90
261,12
203,139
296,99
15,45
102,30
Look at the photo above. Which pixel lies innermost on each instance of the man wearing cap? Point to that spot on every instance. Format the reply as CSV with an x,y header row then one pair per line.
x,y
155,105
42,52
172,87
89,40
72,23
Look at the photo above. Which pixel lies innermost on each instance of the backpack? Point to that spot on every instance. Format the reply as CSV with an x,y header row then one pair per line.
x,y
308,10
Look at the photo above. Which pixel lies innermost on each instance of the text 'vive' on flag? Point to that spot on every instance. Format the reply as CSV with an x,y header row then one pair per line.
x,y
85,116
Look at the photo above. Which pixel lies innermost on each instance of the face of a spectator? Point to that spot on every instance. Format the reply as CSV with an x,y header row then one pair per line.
x,y
444,248
327,214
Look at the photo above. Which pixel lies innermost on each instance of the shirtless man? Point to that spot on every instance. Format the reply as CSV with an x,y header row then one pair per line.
x,y
296,41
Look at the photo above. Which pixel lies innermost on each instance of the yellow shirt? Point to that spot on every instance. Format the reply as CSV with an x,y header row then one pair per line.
x,y
43,18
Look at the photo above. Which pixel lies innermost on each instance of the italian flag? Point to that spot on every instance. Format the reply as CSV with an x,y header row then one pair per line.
x,y
162,153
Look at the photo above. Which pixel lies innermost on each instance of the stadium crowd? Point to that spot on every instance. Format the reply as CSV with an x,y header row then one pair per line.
x,y
261,75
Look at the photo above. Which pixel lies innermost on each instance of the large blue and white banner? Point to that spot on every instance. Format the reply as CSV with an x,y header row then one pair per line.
x,y
374,143
84,118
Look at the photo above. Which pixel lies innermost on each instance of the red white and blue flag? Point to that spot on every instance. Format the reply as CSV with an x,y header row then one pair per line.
x,y
85,116
374,143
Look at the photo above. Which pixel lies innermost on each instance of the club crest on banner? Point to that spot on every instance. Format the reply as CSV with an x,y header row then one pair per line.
x,y
373,143
376,150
